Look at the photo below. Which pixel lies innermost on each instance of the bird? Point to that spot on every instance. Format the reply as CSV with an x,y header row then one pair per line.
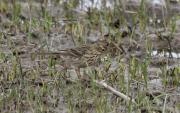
x,y
85,55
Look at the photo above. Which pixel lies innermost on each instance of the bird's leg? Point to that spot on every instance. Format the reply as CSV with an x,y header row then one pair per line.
x,y
78,72
65,73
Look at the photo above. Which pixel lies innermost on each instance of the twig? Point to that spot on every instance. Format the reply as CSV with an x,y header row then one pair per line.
x,y
164,107
102,83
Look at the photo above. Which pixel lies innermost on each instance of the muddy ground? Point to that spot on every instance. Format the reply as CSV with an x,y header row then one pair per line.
x,y
31,27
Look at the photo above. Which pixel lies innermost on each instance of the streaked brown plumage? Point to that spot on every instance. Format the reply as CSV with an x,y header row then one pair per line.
x,y
85,55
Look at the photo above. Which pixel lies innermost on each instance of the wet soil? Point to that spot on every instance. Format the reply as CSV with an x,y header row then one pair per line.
x,y
15,41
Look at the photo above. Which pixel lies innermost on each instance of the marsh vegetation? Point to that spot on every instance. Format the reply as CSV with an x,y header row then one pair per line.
x,y
89,56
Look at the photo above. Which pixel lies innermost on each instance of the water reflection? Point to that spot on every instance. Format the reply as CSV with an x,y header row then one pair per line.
x,y
85,4
167,54
98,4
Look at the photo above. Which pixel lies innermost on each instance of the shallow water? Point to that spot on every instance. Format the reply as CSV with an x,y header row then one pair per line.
x,y
166,54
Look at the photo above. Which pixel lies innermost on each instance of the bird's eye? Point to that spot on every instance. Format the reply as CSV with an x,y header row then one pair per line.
x,y
103,49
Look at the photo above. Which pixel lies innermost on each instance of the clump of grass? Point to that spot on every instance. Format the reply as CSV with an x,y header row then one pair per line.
x,y
47,20
143,18
3,6
16,11
29,91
